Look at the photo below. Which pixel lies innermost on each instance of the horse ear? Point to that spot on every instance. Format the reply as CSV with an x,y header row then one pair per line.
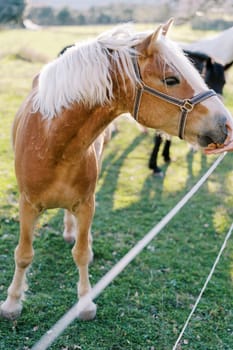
x,y
209,62
153,38
166,27
228,65
161,30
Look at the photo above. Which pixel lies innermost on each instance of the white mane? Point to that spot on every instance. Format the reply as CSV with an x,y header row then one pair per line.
x,y
83,72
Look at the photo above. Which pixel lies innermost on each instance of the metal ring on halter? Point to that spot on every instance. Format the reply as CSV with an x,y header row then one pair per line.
x,y
186,105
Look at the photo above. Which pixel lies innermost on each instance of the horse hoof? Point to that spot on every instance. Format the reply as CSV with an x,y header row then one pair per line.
x,y
69,240
88,313
10,314
167,160
158,174
69,237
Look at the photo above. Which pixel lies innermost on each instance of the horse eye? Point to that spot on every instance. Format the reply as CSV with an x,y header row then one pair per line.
x,y
171,81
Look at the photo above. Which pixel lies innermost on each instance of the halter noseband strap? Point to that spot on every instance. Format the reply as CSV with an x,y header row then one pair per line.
x,y
186,105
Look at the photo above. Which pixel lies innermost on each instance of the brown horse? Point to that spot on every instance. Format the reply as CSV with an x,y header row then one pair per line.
x,y
73,100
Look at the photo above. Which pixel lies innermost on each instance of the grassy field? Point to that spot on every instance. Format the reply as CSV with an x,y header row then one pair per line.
x,y
147,305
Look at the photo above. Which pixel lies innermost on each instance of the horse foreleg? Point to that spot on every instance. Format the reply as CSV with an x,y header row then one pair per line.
x,y
70,228
82,254
166,151
153,161
24,253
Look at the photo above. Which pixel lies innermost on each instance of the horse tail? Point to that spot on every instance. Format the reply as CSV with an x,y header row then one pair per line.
x,y
21,111
14,128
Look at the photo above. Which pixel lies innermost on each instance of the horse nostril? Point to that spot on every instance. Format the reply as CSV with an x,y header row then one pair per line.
x,y
204,140
223,121
218,134
224,128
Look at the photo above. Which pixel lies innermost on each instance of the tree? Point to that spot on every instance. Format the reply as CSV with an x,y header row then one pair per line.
x,y
81,19
42,15
103,18
187,10
11,11
64,17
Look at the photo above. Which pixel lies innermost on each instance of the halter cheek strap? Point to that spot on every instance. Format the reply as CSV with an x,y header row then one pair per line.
x,y
186,105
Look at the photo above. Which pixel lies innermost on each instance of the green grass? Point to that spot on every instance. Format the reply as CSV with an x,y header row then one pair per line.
x,y
147,305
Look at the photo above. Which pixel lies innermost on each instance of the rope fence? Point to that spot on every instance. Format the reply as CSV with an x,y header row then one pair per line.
x,y
204,286
58,328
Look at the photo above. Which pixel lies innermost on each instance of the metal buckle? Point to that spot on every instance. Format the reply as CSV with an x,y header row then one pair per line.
x,y
187,106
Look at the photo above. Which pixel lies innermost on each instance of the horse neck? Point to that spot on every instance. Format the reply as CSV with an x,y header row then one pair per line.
x,y
102,116
82,126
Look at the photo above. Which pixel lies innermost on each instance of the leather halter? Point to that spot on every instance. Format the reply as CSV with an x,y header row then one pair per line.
x,y
186,105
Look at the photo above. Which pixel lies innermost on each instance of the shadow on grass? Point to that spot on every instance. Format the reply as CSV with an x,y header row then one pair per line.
x,y
153,296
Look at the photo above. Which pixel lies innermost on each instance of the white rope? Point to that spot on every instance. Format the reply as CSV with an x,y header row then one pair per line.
x,y
48,338
204,287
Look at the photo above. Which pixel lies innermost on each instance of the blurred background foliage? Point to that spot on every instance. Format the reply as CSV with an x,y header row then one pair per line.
x,y
208,14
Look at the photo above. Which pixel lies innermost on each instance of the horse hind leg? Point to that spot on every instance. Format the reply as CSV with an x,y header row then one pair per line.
x,y
70,227
82,255
11,308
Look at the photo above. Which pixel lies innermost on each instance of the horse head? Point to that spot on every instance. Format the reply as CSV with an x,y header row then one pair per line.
x,y
163,68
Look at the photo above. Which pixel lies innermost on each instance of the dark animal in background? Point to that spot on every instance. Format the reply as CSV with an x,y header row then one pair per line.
x,y
212,72
214,75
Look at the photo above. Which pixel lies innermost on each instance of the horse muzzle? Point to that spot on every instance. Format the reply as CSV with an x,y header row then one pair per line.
x,y
217,134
